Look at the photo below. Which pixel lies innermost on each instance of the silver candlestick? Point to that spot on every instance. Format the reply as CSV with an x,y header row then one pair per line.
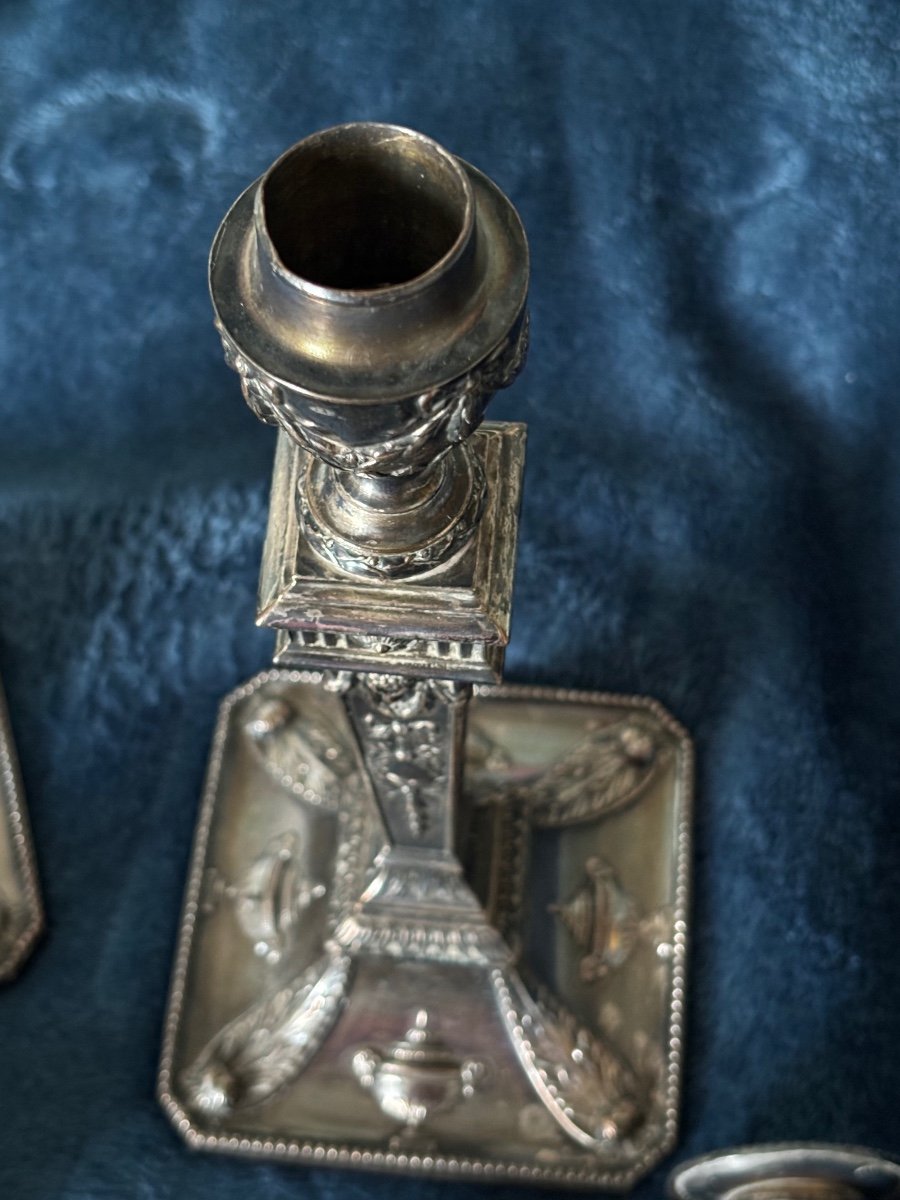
x,y
426,930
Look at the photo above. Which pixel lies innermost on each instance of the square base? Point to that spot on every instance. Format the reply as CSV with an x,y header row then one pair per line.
x,y
560,1065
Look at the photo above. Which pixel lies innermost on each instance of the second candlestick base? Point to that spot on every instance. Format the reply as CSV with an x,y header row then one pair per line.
x,y
21,912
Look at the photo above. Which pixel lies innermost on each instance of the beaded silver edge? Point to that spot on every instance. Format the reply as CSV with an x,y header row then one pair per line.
x,y
314,1153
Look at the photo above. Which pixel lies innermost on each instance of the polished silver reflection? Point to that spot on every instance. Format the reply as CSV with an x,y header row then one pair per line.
x,y
788,1171
424,931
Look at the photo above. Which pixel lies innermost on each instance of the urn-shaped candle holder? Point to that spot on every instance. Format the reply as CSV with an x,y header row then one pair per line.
x,y
386,829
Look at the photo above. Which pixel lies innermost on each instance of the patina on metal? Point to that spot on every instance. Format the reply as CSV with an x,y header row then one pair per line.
x,y
788,1171
426,930
21,912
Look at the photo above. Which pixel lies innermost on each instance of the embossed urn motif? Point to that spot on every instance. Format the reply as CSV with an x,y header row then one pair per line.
x,y
273,895
601,918
416,1077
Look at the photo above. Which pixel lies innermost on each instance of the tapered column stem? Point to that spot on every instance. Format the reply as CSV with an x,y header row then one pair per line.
x,y
411,734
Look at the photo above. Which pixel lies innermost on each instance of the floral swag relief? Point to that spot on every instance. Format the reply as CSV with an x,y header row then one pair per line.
x,y
442,417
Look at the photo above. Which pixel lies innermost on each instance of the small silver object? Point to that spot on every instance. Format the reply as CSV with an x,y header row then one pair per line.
x,y
416,1077
21,913
788,1171
433,924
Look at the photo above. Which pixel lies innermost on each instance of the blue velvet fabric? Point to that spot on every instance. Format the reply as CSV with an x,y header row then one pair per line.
x,y
711,516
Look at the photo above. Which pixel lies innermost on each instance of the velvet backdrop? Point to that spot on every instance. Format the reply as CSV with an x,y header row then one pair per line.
x,y
712,508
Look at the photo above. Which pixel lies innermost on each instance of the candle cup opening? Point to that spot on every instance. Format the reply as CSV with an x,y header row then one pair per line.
x,y
365,208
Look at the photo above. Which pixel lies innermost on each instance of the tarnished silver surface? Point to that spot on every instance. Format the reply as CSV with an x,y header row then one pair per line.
x,y
21,915
532,1067
370,292
788,1171
451,622
424,931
